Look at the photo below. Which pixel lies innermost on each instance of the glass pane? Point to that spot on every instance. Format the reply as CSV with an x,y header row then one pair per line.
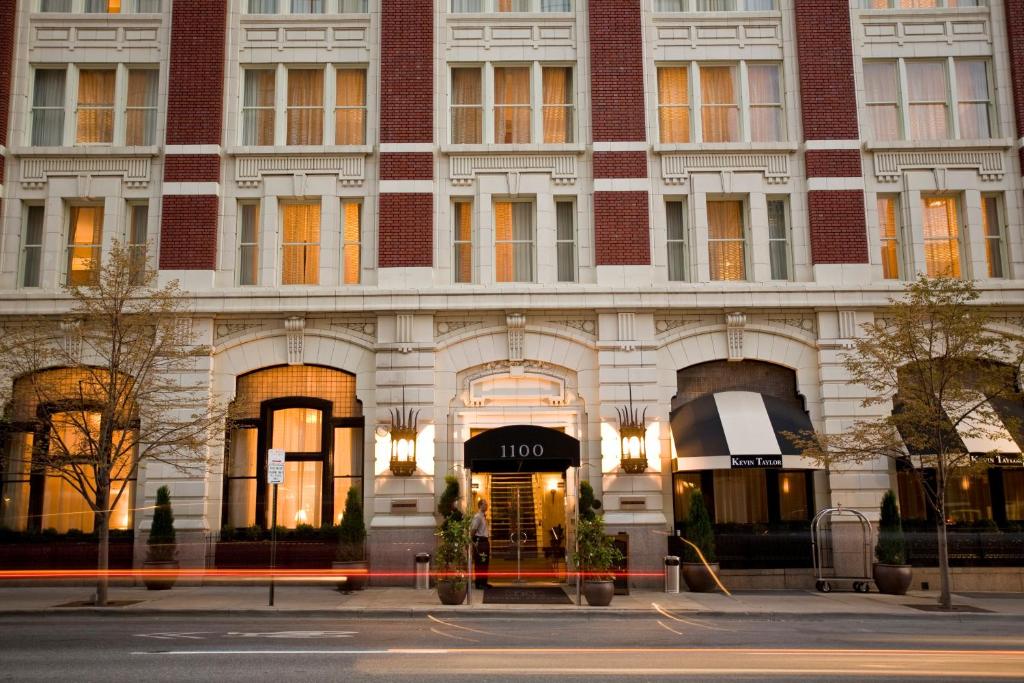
x,y
85,237
741,497
557,94
242,462
727,241
348,454
350,125
991,221
677,261
15,494
297,430
241,503
673,101
511,105
968,498
555,5
262,6
54,5
912,500
941,236
974,121
301,251
140,123
467,112
1013,491
305,107
467,5
307,6
258,112
888,234
351,215
298,498
341,488
719,111
929,92
32,241
793,496
676,223
463,242
64,508
565,220
683,486
48,108
248,266
972,80
95,106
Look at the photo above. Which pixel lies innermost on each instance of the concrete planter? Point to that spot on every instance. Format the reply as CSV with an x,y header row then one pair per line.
x,y
162,581
698,578
893,579
452,592
599,593
356,573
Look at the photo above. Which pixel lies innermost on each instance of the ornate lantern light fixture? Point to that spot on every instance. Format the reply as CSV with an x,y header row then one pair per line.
x,y
403,440
633,433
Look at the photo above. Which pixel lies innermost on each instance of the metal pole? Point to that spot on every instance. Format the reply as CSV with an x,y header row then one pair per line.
x,y
470,567
519,538
273,545
576,538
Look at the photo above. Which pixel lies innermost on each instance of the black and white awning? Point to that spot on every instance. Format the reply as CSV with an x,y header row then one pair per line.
x,y
738,429
984,431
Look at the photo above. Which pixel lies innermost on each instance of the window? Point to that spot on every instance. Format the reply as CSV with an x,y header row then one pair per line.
x,y
713,5
479,6
511,104
301,245
306,6
793,496
101,6
299,433
138,238
463,257
921,4
305,107
140,109
778,239
258,107
249,244
467,106
565,240
968,498
95,113
741,497
942,236
32,247
993,222
351,221
85,240
513,241
350,112
929,99
727,240
708,101
558,109
48,108
889,237
678,250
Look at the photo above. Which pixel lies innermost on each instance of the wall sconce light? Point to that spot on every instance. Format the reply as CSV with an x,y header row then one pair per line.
x,y
633,433
403,440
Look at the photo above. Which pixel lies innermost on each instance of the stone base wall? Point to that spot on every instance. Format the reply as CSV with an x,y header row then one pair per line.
x,y
393,551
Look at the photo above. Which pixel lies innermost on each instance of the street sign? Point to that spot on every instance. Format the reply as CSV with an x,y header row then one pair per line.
x,y
275,466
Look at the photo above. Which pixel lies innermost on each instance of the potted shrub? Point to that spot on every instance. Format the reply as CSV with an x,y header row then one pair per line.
x,y
161,546
350,560
891,573
699,569
452,561
594,558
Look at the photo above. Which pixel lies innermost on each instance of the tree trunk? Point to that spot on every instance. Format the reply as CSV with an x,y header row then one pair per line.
x,y
944,597
103,551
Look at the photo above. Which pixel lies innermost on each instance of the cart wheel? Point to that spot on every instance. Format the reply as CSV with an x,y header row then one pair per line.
x,y
856,586
824,586
862,587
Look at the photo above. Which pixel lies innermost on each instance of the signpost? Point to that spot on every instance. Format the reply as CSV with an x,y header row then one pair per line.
x,y
275,476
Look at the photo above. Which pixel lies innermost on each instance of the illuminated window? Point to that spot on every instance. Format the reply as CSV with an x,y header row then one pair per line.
x,y
140,110
882,97
673,104
350,112
32,247
101,6
514,241
889,237
351,222
95,114
467,106
301,245
258,107
558,109
995,235
942,236
727,240
463,256
305,107
720,111
85,242
511,104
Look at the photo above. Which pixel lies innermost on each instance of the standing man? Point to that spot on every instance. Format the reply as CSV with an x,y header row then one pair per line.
x,y
481,536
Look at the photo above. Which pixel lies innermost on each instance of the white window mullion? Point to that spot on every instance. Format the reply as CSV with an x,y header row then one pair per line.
x,y
904,98
952,98
488,102
71,105
120,100
744,102
330,101
536,103
281,105
696,117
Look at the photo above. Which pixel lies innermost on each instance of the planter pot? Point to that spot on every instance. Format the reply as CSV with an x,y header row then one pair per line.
x,y
452,592
356,573
893,579
164,579
599,593
698,578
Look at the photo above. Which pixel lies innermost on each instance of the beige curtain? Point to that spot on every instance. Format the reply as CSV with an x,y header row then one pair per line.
x,y
95,106
301,245
741,497
765,83
558,119
467,106
299,499
48,107
511,105
305,107
140,117
674,104
351,214
720,109
991,221
974,101
887,227
258,108
726,240
928,93
241,476
941,236
297,430
881,85
513,237
350,121
85,239
463,242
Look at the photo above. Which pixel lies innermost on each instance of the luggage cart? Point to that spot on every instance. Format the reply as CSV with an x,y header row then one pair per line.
x,y
821,550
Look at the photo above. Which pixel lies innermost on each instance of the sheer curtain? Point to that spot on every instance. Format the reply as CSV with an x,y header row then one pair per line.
x,y
558,118
305,107
888,228
258,107
48,108
467,106
513,238
741,497
147,6
565,240
467,6
85,240
301,245
54,5
307,6
765,83
350,120
511,105
95,106
726,240
991,218
677,251
778,239
32,247
262,6
241,476
941,236
673,104
103,6
351,215
882,96
928,91
140,117
720,109
555,5
973,99
463,241
513,5
248,244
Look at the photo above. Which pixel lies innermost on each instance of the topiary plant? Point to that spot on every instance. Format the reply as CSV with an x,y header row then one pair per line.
x,y
447,505
596,553
588,503
891,547
699,531
452,551
162,544
352,530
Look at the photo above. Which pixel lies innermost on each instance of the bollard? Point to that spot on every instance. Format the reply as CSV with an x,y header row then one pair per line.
x,y
671,574
423,571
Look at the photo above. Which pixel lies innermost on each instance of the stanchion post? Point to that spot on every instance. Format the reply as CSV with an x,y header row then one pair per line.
x,y
273,545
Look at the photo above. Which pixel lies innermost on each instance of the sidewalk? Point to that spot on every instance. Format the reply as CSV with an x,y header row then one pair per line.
x,y
324,601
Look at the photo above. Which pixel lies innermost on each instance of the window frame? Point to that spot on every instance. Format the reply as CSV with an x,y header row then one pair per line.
x,y
531,201
284,205
257,231
744,203
131,245
573,242
684,241
787,239
457,204
999,202
27,209
97,247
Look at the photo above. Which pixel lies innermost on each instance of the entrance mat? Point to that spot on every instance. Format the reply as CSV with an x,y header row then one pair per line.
x,y
526,595
90,603
959,609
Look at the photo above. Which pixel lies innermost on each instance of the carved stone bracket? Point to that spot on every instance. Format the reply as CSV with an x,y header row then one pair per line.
x,y
516,336
890,166
294,333
562,167
676,168
350,169
71,328
404,331
36,171
627,331
847,327
734,326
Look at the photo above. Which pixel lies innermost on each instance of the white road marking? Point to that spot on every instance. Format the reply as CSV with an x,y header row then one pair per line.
x,y
668,628
294,634
665,613
434,629
189,635
296,652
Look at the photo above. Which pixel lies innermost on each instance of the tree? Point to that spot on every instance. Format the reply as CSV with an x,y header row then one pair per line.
x,y
352,530
933,353
162,541
116,383
699,532
891,547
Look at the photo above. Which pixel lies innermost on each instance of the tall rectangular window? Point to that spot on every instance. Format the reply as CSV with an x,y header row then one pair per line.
x,y
727,240
262,6
85,242
249,244
351,221
301,245
889,236
678,250
350,110
258,107
928,97
307,6
882,97
103,6
995,240
720,109
565,240
48,108
558,107
95,106
764,82
674,104
511,104
305,107
778,239
140,107
32,247
138,239
513,241
467,106
463,232
974,99
942,236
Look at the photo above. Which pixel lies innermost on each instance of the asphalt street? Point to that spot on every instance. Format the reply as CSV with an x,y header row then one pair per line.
x,y
661,645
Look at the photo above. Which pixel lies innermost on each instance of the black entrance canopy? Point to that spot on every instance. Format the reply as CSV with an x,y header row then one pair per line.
x,y
522,448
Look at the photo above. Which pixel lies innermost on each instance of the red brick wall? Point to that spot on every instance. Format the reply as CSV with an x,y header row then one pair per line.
x,y
8,8
406,227
620,164
616,71
407,71
407,166
621,229
833,163
192,169
1015,29
188,233
828,96
838,226
195,99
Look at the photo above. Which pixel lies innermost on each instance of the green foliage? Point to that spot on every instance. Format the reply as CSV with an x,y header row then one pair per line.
x,y
162,543
699,531
453,549
447,505
596,553
588,503
352,530
891,547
